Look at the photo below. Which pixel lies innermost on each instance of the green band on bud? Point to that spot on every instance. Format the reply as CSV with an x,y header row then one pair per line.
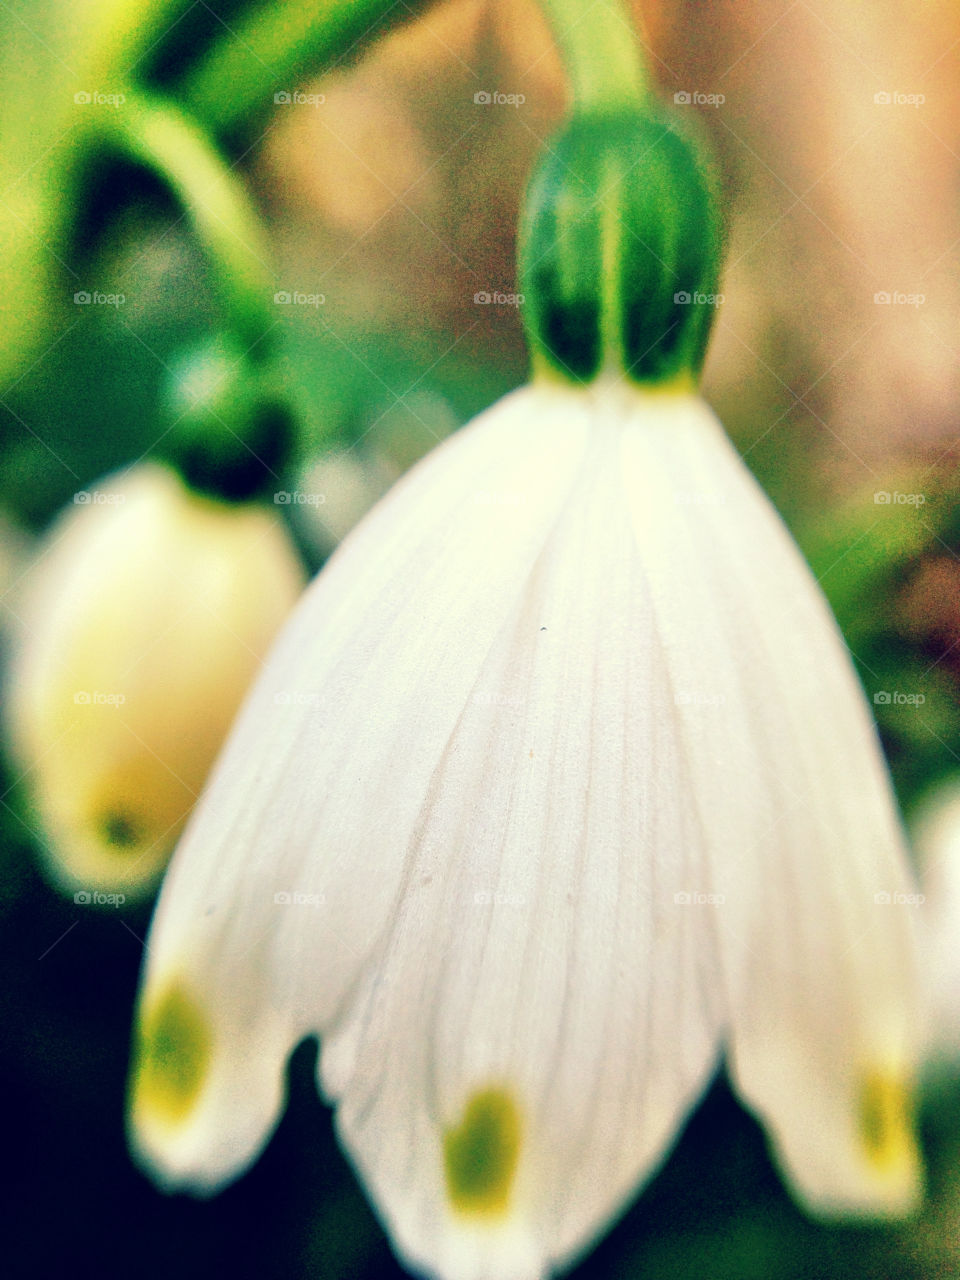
x,y
619,252
230,433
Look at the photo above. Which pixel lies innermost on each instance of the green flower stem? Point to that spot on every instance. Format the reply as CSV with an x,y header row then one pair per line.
x,y
114,37
214,198
274,45
601,52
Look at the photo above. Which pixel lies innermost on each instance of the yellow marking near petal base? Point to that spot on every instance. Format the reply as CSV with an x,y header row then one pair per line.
x,y
172,1056
885,1122
480,1155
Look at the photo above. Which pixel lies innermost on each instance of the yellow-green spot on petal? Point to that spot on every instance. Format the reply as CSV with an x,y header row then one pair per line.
x,y
480,1154
172,1056
885,1122
121,830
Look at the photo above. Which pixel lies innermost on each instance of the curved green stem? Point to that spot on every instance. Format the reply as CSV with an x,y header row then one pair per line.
x,y
272,46
116,35
600,50
177,150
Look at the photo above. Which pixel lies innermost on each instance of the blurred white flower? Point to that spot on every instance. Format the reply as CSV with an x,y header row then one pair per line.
x,y
558,786
936,837
146,614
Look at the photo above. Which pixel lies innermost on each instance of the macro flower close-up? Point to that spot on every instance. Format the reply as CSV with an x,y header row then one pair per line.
x,y
480,697
478,809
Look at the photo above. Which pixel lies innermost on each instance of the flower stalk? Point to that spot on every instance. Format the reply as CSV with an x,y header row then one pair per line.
x,y
600,52
270,47
167,141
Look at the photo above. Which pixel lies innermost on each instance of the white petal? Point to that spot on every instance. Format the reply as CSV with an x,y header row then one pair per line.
x,y
537,753
321,787
795,802
538,951
146,615
935,831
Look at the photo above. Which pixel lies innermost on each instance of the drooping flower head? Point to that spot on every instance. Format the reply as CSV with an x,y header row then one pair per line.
x,y
147,612
557,788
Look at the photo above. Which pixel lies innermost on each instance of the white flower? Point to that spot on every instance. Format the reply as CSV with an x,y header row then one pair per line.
x,y
146,615
557,787
936,838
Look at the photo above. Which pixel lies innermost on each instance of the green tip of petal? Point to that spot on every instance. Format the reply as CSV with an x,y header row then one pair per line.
x,y
172,1056
885,1123
121,830
480,1155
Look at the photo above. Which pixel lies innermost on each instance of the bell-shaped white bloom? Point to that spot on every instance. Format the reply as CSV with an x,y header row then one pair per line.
x,y
557,787
144,618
